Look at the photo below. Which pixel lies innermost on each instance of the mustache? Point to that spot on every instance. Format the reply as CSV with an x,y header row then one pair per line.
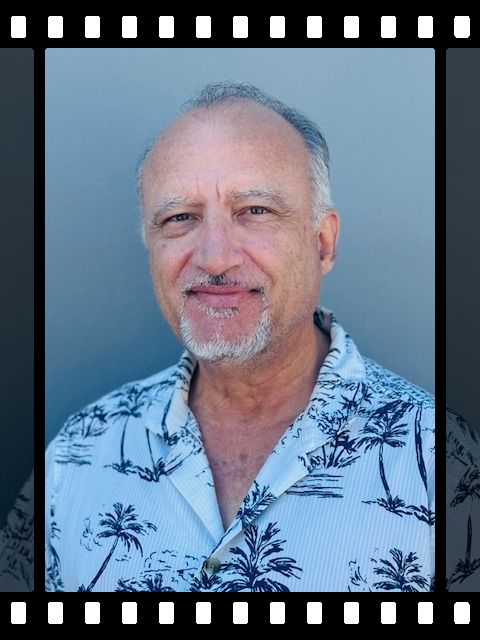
x,y
208,280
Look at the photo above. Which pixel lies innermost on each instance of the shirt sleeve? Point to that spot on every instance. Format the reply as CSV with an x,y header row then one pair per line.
x,y
463,505
16,543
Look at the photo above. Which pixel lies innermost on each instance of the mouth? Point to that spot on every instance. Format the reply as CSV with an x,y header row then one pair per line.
x,y
222,296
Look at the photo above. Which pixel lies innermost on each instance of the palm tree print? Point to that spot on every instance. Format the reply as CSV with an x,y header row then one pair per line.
x,y
328,390
53,567
422,513
351,405
160,564
252,569
87,422
339,451
356,579
382,429
254,503
124,527
132,399
75,440
88,539
402,573
418,447
382,382
160,468
148,582
206,582
468,487
323,485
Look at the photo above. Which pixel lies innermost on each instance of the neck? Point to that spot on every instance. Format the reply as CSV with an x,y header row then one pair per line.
x,y
279,382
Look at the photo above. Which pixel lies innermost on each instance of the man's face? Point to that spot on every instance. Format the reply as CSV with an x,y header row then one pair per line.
x,y
235,259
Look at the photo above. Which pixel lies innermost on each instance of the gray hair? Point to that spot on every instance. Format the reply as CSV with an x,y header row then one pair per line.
x,y
228,90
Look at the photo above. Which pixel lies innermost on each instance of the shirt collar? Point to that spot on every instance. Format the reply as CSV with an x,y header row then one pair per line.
x,y
339,380
343,359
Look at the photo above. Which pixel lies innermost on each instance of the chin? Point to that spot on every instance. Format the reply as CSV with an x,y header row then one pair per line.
x,y
222,349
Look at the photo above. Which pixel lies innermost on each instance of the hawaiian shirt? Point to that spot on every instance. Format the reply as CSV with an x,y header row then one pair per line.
x,y
344,502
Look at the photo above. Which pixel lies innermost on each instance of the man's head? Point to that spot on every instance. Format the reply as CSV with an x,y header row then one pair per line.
x,y
238,221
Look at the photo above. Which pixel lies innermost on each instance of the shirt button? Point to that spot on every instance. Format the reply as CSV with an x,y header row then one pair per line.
x,y
213,565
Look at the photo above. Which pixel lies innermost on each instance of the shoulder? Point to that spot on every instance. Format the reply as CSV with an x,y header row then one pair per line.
x,y
137,389
386,386
128,400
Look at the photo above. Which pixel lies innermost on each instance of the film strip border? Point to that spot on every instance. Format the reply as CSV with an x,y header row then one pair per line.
x,y
239,610
211,609
350,29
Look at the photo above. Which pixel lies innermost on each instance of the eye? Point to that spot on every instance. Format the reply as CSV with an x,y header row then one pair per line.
x,y
258,210
179,217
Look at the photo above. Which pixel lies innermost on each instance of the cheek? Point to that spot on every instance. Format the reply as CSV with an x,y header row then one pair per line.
x,y
284,265
162,269
302,266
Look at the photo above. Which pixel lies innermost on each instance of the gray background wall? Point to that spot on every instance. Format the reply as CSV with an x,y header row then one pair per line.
x,y
16,273
376,109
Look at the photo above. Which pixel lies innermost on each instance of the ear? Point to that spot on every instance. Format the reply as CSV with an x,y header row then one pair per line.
x,y
328,234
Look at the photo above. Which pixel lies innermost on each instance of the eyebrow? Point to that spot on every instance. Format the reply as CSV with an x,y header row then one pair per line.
x,y
265,194
170,203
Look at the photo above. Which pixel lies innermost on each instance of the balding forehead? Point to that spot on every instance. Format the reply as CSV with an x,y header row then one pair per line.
x,y
233,108
237,117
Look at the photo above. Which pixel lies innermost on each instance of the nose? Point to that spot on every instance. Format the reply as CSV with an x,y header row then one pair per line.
x,y
217,247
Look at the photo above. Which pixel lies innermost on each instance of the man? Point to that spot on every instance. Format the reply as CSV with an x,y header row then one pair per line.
x,y
273,456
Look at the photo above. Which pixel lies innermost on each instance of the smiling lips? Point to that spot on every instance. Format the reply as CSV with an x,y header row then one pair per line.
x,y
223,296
